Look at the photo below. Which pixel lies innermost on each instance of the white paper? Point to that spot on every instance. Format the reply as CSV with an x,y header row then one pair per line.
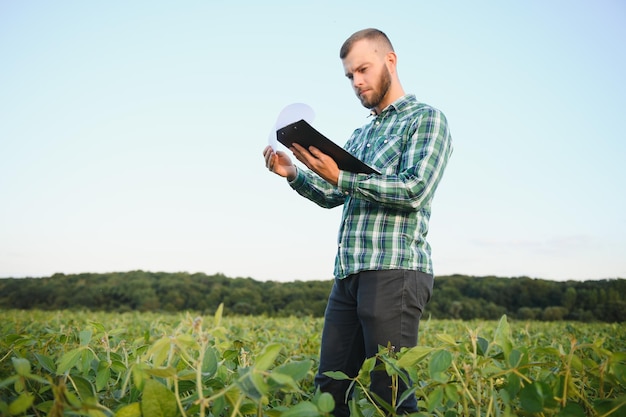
x,y
290,114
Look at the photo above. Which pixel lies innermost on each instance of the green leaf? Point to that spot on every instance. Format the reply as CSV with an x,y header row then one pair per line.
x,y
185,341
259,382
9,381
577,364
391,366
515,358
533,397
413,356
548,351
267,356
502,336
446,338
20,384
186,375
130,410
72,399
368,366
482,345
84,387
161,372
434,399
217,320
44,406
440,362
338,375
452,393
102,376
98,326
355,408
118,366
572,410
303,409
325,403
160,350
85,360
157,400
513,385
85,337
21,403
531,400
283,380
69,360
619,370
296,370
46,362
407,393
247,386
22,366
209,362
617,406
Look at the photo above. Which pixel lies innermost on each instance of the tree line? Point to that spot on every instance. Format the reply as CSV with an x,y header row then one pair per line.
x,y
454,297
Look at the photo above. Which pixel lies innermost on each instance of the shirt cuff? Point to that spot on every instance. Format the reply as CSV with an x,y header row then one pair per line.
x,y
346,183
298,181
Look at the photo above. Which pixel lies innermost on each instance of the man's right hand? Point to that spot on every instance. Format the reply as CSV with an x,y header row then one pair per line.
x,y
279,163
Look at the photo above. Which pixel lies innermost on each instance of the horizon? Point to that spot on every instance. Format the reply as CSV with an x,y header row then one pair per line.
x,y
297,280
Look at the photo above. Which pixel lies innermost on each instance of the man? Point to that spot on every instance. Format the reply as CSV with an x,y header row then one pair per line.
x,y
383,270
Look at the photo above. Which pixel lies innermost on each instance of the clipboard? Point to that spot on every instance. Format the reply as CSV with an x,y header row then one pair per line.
x,y
306,135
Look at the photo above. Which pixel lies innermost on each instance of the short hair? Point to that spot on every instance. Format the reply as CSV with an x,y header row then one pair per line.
x,y
369,34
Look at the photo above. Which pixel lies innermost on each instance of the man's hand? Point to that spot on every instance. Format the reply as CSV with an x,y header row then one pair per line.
x,y
279,163
318,162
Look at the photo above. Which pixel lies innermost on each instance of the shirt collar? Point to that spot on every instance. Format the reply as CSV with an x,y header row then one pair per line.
x,y
397,105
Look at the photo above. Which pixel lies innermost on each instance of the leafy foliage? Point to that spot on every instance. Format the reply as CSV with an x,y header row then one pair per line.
x,y
98,364
456,297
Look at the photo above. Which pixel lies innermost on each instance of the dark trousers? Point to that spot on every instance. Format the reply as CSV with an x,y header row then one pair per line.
x,y
366,310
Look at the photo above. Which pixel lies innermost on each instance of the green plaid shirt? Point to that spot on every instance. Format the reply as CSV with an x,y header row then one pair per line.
x,y
385,217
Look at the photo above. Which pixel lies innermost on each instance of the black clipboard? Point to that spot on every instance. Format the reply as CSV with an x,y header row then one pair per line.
x,y
305,135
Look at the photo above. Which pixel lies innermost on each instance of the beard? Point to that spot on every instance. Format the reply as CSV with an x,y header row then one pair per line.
x,y
379,91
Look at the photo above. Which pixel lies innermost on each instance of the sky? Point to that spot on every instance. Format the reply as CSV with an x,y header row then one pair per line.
x,y
131,133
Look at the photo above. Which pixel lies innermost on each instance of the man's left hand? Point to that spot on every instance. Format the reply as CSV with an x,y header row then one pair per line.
x,y
318,162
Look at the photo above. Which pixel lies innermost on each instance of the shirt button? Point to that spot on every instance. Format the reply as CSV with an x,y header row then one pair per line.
x,y
346,193
368,145
385,141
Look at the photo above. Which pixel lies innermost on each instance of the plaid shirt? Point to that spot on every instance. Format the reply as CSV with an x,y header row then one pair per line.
x,y
385,217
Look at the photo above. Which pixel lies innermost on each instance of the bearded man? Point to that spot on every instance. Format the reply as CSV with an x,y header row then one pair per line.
x,y
383,268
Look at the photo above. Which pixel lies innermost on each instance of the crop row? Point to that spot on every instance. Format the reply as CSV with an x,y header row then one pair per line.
x,y
151,365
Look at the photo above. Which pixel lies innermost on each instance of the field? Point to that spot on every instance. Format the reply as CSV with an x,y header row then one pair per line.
x,y
80,363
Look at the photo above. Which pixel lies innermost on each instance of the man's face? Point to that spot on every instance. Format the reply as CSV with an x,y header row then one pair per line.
x,y
365,68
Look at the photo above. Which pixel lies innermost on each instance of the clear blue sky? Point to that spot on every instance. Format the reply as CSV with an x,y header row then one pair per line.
x,y
131,133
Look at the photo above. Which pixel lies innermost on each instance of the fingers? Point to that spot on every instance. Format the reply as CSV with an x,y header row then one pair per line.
x,y
316,152
301,154
270,157
310,152
311,156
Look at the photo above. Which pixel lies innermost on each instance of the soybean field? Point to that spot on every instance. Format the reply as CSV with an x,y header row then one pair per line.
x,y
97,364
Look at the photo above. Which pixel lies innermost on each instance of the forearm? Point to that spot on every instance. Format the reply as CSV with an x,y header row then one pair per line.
x,y
407,191
411,183
314,188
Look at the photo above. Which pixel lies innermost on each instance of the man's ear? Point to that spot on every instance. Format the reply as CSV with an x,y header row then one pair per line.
x,y
391,60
